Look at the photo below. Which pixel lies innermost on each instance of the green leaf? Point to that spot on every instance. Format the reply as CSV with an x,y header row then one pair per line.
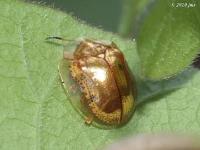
x,y
169,39
36,113
176,111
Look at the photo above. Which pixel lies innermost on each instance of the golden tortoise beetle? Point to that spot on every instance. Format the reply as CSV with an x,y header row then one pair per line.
x,y
98,82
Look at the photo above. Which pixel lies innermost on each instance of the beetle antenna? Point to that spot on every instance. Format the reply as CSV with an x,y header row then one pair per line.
x,y
57,38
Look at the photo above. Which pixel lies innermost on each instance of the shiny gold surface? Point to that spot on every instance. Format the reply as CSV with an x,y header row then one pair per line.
x,y
104,79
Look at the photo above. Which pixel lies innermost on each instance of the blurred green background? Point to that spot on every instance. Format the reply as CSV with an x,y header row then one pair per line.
x,y
100,13
107,14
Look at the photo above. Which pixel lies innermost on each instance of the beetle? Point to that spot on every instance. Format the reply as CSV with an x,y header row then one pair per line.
x,y
98,80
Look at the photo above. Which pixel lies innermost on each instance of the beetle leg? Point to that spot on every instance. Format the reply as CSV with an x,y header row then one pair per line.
x,y
88,119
